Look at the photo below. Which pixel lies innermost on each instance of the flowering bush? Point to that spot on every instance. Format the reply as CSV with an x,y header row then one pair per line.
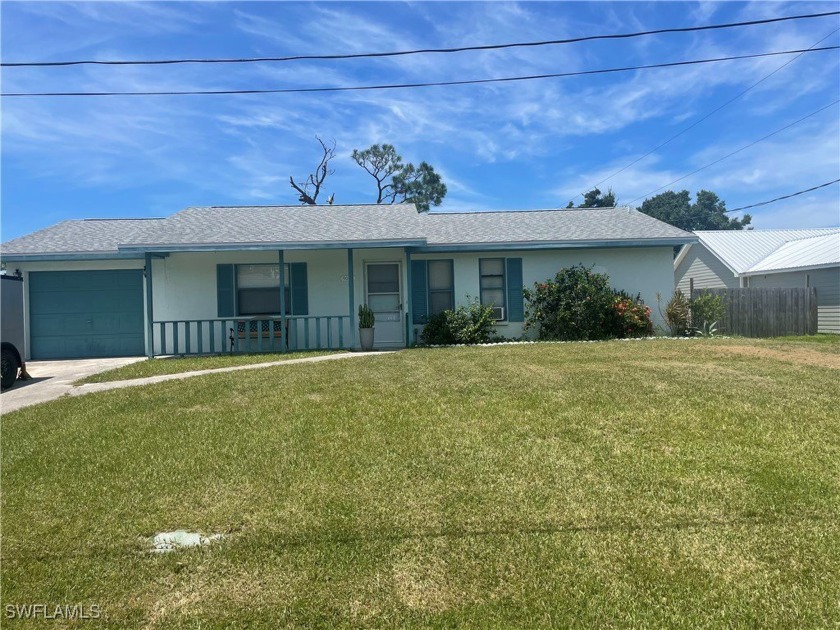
x,y
579,304
632,317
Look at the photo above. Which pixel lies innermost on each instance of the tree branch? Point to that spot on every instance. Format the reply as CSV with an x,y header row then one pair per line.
x,y
316,179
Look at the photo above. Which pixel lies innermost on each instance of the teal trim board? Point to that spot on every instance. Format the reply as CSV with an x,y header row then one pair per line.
x,y
300,289
515,299
83,314
419,291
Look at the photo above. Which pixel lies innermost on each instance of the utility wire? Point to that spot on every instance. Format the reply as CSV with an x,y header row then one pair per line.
x,y
747,146
157,62
801,192
420,85
709,115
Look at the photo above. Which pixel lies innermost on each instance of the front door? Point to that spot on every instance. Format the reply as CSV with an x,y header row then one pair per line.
x,y
384,297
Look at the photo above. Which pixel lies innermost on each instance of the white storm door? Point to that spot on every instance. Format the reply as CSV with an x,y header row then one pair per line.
x,y
384,297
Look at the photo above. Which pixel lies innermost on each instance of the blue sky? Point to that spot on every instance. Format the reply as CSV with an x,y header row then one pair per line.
x,y
505,146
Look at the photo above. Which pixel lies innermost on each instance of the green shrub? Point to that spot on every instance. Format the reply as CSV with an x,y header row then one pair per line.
x,y
469,324
579,304
706,309
575,305
678,314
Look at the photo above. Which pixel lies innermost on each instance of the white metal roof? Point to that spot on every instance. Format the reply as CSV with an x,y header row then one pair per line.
x,y
817,251
741,250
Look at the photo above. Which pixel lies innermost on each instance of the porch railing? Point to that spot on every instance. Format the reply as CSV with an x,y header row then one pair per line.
x,y
252,334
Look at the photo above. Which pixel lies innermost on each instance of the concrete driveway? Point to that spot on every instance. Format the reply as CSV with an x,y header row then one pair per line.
x,y
52,379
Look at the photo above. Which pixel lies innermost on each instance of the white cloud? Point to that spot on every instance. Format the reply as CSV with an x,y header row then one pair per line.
x,y
566,133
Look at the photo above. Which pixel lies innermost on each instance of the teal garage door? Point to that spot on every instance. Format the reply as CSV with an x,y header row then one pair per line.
x,y
77,314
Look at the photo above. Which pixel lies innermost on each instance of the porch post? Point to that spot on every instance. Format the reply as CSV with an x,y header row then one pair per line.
x,y
409,312
283,330
150,329
352,298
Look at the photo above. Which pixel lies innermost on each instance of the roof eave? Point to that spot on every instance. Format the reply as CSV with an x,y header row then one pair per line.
x,y
766,272
59,256
581,244
682,254
290,245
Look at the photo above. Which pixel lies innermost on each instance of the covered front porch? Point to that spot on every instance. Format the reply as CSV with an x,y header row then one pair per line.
x,y
284,300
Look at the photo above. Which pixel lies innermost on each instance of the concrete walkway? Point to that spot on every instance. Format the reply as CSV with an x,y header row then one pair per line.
x,y
52,379
89,388
43,388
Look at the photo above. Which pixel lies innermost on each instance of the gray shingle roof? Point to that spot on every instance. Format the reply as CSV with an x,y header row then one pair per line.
x,y
86,236
602,224
255,226
289,224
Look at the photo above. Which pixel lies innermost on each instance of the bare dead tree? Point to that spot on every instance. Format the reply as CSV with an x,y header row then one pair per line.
x,y
310,187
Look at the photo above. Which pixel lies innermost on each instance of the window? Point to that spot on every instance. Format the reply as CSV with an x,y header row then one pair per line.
x,y
441,289
257,290
492,272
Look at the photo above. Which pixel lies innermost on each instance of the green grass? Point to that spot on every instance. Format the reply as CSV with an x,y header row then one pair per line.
x,y
821,338
678,484
177,365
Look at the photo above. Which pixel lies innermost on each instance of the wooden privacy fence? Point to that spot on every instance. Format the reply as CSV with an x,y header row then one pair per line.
x,y
767,312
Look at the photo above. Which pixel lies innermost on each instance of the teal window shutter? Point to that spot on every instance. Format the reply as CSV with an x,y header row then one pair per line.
x,y
225,291
299,289
419,294
516,303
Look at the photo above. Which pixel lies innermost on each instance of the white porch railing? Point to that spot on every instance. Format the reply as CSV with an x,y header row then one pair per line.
x,y
252,334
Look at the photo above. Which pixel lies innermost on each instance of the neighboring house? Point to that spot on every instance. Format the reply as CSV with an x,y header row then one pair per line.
x,y
208,277
767,258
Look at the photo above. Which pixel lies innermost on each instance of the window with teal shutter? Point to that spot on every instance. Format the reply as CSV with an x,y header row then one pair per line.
x,y
253,290
441,279
501,287
491,272
258,290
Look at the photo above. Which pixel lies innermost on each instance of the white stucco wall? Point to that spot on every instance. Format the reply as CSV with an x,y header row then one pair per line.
x,y
184,287
184,284
647,271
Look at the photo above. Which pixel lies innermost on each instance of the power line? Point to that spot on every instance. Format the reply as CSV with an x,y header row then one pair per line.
x,y
420,85
801,192
709,115
769,135
152,62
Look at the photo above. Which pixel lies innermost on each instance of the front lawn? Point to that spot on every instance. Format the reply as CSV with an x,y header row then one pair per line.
x,y
678,484
177,365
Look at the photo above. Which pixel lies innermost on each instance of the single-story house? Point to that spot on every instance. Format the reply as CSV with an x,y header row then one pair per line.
x,y
208,279
766,258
